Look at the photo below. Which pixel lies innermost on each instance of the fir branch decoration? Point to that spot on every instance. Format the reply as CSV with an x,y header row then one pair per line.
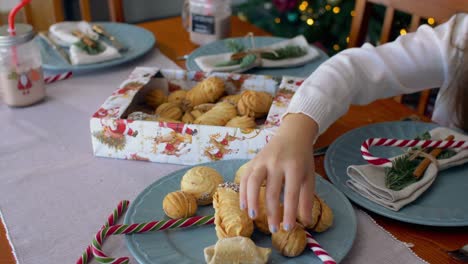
x,y
245,58
234,46
248,60
287,52
91,50
400,174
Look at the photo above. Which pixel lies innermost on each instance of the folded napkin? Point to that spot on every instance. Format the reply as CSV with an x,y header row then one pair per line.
x,y
207,63
62,34
369,180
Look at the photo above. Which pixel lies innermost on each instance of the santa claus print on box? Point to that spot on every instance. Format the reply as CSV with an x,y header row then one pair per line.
x,y
175,143
114,132
171,142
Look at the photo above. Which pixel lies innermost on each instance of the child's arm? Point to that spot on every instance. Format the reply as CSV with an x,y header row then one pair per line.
x,y
417,61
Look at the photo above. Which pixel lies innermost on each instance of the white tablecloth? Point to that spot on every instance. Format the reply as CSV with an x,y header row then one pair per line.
x,y
55,195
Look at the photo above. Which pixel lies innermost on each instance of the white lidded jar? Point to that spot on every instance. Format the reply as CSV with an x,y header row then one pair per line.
x,y
21,77
209,20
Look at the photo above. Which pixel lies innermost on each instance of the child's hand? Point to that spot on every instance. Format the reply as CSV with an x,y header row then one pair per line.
x,y
287,158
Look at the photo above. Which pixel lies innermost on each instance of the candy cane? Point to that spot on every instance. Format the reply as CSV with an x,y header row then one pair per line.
x,y
58,77
108,230
321,253
111,220
402,143
98,240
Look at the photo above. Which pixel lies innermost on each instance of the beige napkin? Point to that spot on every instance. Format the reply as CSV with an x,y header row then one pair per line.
x,y
62,34
207,63
369,180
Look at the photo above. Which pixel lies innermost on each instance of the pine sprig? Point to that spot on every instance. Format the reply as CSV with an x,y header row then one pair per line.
x,y
290,51
248,60
287,52
234,46
91,50
400,174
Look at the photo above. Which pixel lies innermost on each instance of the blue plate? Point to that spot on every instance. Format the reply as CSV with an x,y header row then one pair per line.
x,y
443,204
138,40
219,46
186,246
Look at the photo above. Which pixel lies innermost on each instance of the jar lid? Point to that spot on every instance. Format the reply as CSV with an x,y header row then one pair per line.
x,y
24,33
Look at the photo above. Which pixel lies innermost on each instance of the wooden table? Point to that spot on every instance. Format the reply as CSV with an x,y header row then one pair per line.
x,y
429,242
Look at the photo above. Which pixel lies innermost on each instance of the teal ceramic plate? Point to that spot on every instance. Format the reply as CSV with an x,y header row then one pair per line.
x,y
186,246
443,204
219,47
138,40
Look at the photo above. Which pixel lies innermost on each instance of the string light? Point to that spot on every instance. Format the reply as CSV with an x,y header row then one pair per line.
x,y
242,16
353,13
403,31
431,21
310,22
347,39
328,7
336,47
303,6
336,9
277,20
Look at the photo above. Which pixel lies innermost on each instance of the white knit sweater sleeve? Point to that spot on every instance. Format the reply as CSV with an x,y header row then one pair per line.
x,y
411,63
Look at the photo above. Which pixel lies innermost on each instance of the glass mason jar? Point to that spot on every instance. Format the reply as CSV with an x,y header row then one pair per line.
x,y
21,77
208,20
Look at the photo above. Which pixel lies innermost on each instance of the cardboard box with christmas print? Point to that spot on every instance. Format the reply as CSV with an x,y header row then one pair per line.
x,y
115,136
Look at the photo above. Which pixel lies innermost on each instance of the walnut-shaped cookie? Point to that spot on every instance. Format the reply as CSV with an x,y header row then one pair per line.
x,y
242,122
219,115
230,220
168,120
179,205
155,98
254,104
201,182
322,216
236,250
241,171
232,99
261,220
188,118
177,97
169,110
206,91
290,243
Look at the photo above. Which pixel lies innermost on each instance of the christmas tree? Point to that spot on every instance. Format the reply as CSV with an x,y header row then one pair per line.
x,y
325,23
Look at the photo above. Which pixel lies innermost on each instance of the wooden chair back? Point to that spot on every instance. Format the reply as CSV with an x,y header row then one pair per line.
x,y
34,12
440,10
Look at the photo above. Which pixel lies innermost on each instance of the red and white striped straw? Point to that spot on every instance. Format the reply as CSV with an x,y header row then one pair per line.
x,y
403,143
58,77
321,253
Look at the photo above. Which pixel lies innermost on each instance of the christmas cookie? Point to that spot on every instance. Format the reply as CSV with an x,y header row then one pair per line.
x,y
201,182
179,205
242,122
290,243
230,220
155,98
206,91
254,104
236,250
169,110
218,115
